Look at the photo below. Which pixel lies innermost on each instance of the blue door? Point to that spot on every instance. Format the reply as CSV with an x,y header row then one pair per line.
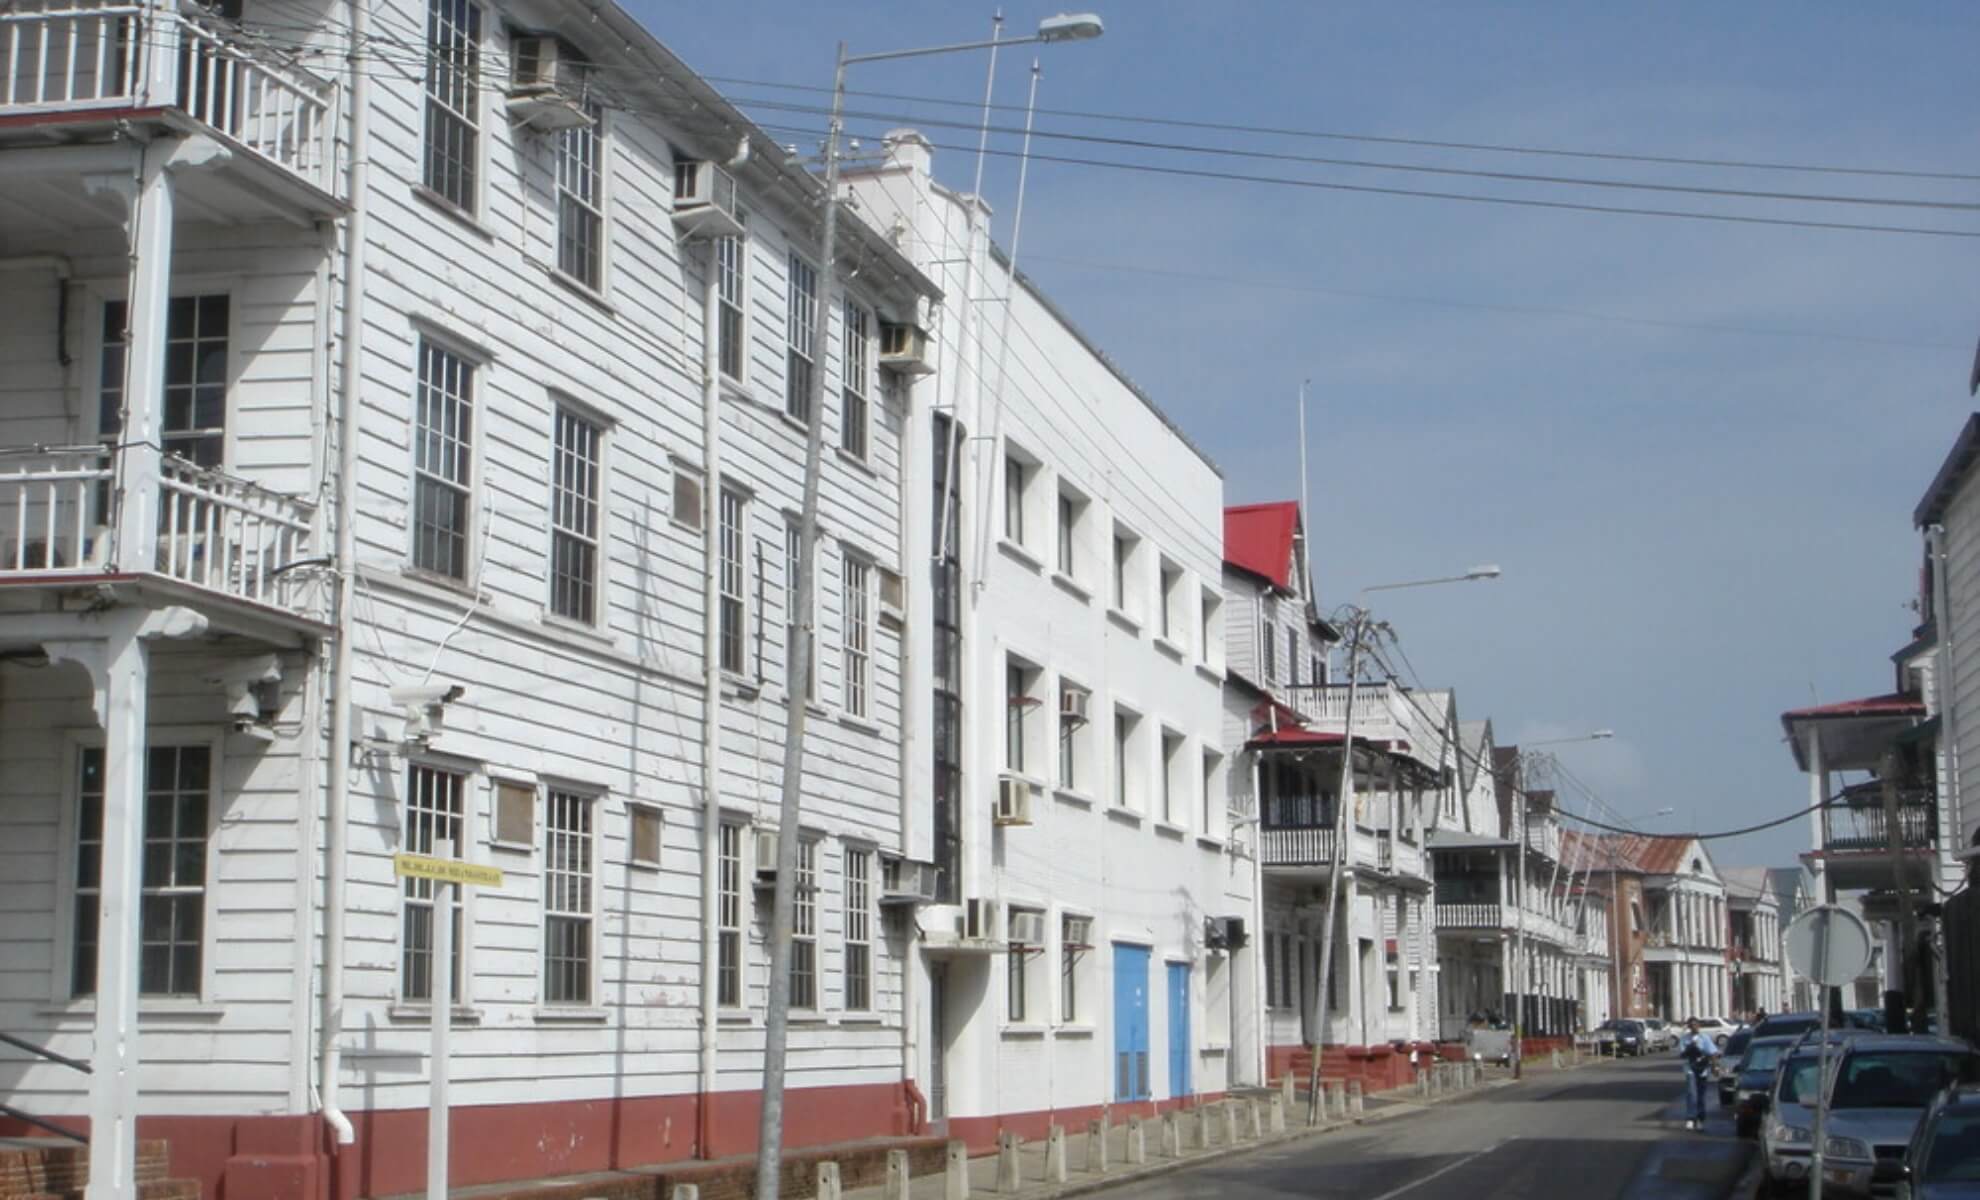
x,y
1130,1022
1179,1029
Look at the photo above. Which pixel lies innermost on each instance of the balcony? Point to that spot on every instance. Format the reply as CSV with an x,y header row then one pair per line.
x,y
217,534
1865,827
1310,846
1471,916
87,68
1856,839
1383,712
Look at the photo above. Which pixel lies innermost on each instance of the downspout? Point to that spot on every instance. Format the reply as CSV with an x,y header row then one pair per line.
x,y
1942,669
337,803
711,686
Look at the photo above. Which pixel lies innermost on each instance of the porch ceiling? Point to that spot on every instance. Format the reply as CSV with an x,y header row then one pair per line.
x,y
1856,870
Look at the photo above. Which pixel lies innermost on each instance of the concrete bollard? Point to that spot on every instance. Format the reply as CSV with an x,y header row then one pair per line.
x,y
1009,1181
687,1191
1137,1142
1230,1110
1256,1116
1555,1057
1055,1154
1278,1115
1171,1135
1096,1147
828,1181
1201,1136
955,1171
1354,1097
896,1185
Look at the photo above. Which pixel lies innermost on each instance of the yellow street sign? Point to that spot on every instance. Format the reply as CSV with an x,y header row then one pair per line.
x,y
445,870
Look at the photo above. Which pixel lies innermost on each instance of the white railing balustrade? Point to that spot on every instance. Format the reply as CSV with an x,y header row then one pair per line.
x,y
1470,916
50,499
227,535
1297,847
69,56
81,57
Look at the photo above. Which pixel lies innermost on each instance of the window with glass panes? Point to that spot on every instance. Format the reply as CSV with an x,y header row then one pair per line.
x,y
731,274
581,200
1068,517
858,357
1069,955
804,928
453,106
859,930
1172,746
1014,499
433,811
1069,727
574,517
800,317
172,887
1121,549
1017,977
567,883
192,417
1015,703
729,917
1123,737
734,571
443,460
858,608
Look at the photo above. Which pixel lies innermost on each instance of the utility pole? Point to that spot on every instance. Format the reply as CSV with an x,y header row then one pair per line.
x,y
1343,800
776,1022
1519,917
1907,918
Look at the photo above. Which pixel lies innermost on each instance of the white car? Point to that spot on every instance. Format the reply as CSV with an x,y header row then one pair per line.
x,y
1659,1034
1718,1027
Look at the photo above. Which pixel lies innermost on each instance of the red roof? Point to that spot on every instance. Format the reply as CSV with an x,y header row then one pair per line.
x,y
1259,538
1893,704
1647,854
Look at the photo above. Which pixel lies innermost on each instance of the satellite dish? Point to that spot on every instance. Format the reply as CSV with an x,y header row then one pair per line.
x,y
1828,945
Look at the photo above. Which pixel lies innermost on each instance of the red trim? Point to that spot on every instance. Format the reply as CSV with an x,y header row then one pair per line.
x,y
78,116
980,1133
1892,704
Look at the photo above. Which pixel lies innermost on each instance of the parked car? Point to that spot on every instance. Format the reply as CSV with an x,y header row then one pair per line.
x,y
1881,1087
1718,1027
1489,1041
1943,1160
1787,1128
1802,1022
1658,1034
1735,1044
1624,1033
1746,1084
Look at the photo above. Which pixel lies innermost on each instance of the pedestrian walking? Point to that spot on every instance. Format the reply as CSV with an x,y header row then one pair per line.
x,y
1698,1052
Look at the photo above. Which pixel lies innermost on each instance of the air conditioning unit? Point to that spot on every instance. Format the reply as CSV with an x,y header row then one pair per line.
x,y
546,86
904,348
1027,929
978,922
1073,703
893,598
705,201
905,881
1013,801
1224,933
1077,933
766,855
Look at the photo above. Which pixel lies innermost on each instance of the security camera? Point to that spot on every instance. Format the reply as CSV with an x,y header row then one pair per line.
x,y
425,706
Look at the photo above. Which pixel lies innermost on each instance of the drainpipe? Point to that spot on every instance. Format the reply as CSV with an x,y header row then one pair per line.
x,y
337,802
711,686
1955,827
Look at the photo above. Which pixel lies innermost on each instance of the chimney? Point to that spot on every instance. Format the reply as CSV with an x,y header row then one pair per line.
x,y
907,149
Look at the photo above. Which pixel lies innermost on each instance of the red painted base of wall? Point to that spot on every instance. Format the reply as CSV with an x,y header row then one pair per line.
x,y
1377,1068
294,1157
980,1133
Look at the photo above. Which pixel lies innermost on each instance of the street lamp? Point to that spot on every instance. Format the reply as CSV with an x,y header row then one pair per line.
x,y
1358,623
1066,27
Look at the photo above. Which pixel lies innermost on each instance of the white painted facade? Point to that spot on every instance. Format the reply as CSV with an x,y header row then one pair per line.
x,y
1685,953
1086,558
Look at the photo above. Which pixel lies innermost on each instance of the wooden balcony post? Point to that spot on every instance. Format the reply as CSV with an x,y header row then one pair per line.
x,y
138,461
158,54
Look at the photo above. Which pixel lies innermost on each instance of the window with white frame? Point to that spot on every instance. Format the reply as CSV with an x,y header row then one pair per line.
x,y
731,279
1209,608
1213,781
1124,552
1019,1003
857,584
193,417
178,785
729,916
800,333
568,945
1070,508
1319,678
796,624
859,929
1172,601
1073,726
734,578
1020,683
1175,782
443,461
576,475
1292,655
858,358
435,825
581,200
453,100
804,928
1268,637
1126,769
1017,478
1074,932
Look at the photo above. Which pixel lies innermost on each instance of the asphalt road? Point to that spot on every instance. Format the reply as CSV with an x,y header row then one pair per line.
x,y
1601,1131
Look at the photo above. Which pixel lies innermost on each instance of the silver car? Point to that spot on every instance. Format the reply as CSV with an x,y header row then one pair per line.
x,y
1880,1087
1787,1132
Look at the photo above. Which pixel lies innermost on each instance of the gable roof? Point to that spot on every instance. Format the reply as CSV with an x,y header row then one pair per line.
x,y
1474,741
1634,853
1748,883
1259,538
1952,474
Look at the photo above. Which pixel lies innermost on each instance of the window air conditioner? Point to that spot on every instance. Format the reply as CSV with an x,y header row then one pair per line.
x,y
1073,704
705,201
1027,929
766,855
1078,932
904,348
1013,801
1224,933
546,88
905,881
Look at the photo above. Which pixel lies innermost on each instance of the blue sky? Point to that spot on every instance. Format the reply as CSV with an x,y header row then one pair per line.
x,y
1700,490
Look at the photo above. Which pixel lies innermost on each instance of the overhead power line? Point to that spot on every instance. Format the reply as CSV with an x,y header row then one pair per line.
x,y
1375,139
1463,197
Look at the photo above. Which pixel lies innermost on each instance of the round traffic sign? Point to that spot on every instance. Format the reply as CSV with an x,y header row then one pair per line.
x,y
1828,945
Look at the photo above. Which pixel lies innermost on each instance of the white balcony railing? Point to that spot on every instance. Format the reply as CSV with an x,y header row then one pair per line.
x,y
1307,846
215,532
1382,712
1471,916
82,57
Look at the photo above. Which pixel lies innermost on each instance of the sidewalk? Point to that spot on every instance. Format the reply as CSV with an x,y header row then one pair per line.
x,y
1033,1183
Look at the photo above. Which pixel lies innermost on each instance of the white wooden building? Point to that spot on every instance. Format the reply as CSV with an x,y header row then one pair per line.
x,y
397,459
1088,947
